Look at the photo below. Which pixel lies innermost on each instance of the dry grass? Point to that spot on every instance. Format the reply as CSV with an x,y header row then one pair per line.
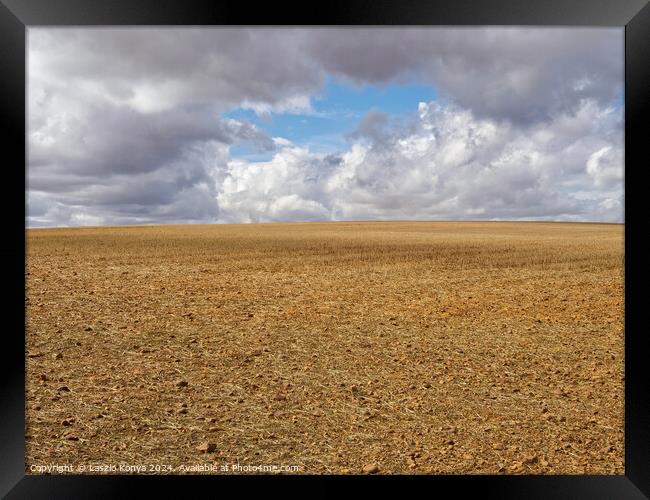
x,y
415,347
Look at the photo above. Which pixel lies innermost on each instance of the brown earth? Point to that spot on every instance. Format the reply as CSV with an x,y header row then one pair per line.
x,y
390,347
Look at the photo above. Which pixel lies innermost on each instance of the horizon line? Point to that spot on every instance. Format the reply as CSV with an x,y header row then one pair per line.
x,y
359,221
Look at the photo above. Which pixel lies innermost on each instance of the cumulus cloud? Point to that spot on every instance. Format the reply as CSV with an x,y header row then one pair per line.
x,y
289,187
446,164
604,166
127,125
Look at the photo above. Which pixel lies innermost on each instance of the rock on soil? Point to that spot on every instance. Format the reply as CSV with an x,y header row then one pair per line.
x,y
206,447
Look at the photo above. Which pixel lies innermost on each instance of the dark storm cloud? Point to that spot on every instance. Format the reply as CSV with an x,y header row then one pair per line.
x,y
126,125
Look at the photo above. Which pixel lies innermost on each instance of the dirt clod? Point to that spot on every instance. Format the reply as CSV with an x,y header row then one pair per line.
x,y
371,469
206,447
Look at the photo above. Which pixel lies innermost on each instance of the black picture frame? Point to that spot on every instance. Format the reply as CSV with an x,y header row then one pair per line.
x,y
17,15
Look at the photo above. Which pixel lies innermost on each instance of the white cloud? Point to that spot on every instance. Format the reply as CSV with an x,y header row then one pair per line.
x,y
448,164
288,187
296,105
281,141
605,166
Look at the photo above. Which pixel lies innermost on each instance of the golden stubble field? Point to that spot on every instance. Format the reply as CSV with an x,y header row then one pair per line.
x,y
390,347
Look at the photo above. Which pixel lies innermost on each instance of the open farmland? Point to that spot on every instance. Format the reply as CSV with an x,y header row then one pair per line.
x,y
397,347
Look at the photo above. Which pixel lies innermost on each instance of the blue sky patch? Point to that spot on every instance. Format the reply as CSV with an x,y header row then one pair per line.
x,y
336,111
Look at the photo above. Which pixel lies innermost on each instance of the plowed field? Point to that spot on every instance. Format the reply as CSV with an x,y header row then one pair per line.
x,y
381,347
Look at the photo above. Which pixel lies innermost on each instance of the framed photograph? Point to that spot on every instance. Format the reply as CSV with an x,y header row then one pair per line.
x,y
358,241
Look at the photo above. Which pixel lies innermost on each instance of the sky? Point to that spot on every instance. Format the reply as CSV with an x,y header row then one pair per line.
x,y
240,125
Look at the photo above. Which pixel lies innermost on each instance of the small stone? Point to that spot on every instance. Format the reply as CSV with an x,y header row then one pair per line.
x,y
280,397
182,383
88,329
371,469
516,467
206,447
63,388
67,422
72,437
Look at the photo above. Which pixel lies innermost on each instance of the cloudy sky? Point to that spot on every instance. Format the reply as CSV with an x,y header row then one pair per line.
x,y
169,125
